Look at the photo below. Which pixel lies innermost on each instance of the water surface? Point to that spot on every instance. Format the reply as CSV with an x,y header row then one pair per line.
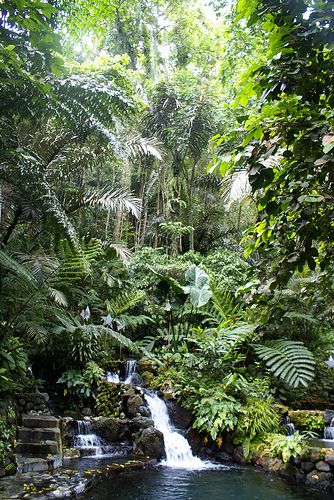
x,y
230,483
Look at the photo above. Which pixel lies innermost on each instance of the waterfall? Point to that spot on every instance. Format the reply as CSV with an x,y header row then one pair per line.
x,y
130,369
86,440
329,431
112,377
178,451
290,428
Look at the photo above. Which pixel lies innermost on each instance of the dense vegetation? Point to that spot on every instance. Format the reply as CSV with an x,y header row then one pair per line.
x,y
166,191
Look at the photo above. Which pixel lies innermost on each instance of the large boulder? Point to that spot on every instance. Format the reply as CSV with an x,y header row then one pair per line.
x,y
112,429
180,417
139,423
135,405
150,443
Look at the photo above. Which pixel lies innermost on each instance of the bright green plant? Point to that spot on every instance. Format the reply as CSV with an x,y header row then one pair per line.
x,y
82,384
258,418
288,446
216,411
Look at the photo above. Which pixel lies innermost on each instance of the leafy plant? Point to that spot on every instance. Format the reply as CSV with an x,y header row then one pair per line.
x,y
197,287
216,411
288,446
290,361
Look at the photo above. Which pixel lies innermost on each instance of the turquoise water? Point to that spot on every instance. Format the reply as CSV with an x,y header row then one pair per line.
x,y
232,483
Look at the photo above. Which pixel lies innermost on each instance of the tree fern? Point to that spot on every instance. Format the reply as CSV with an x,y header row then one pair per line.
x,y
289,361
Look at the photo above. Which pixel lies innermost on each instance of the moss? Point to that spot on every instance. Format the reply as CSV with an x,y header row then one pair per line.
x,y
108,401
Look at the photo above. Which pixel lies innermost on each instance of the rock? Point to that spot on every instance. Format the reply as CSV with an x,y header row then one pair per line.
x,y
130,391
329,457
180,417
329,415
307,466
139,423
315,454
319,479
238,455
2,472
323,466
133,405
136,379
111,429
71,453
276,465
228,447
144,411
87,412
224,457
150,443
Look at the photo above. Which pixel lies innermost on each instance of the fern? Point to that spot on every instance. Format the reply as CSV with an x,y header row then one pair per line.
x,y
123,302
289,361
223,309
76,263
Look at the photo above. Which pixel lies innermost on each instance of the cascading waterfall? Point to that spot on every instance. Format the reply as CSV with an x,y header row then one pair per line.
x,y
178,451
329,431
130,369
86,440
290,428
112,377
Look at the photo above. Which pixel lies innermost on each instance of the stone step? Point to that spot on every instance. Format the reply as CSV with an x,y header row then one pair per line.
x,y
40,421
40,449
29,435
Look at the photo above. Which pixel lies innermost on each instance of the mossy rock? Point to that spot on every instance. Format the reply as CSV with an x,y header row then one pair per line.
x,y
146,365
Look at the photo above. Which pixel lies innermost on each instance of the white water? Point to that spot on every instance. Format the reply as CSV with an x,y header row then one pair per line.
x,y
85,439
178,451
329,431
112,377
130,369
289,426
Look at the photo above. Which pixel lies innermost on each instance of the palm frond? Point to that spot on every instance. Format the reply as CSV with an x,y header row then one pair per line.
x,y
112,199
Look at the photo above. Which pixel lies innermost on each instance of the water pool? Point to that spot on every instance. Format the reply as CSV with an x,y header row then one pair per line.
x,y
230,483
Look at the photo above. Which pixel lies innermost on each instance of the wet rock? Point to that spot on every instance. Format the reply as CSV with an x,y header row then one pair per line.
x,y
323,466
111,429
136,379
307,466
329,457
150,443
319,479
87,412
238,455
224,457
180,417
134,404
144,411
71,453
139,423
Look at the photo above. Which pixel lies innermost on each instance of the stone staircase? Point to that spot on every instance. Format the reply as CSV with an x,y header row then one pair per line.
x,y
39,444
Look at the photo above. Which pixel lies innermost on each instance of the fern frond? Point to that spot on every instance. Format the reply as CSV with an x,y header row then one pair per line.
x,y
288,360
123,302
15,267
